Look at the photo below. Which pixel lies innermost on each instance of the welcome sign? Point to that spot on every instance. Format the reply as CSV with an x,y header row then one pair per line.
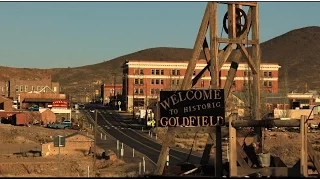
x,y
203,107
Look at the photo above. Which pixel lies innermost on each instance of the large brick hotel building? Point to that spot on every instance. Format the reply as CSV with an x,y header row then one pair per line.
x,y
143,79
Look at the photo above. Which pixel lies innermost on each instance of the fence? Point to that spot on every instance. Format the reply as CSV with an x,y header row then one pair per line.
x,y
124,152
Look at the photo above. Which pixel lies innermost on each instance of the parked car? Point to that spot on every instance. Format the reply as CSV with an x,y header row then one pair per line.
x,y
34,108
56,126
67,123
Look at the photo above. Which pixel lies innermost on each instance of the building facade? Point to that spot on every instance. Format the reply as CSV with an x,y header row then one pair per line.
x,y
142,80
107,91
45,85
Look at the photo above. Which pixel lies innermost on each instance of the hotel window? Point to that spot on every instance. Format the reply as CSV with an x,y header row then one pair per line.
x,y
265,74
172,82
270,74
157,81
244,73
157,91
141,71
152,91
265,83
136,71
157,72
269,84
162,72
136,91
178,81
161,81
17,88
152,71
21,88
175,72
141,91
152,81
26,88
136,81
141,81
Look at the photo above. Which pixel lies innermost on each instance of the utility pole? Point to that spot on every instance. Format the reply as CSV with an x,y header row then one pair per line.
x,y
95,143
114,89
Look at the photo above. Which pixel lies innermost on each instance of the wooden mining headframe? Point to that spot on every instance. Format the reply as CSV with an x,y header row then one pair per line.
x,y
215,59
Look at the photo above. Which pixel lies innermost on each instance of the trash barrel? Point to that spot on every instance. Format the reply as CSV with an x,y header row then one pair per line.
x,y
264,159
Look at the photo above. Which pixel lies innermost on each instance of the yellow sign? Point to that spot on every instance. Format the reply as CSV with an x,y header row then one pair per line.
x,y
130,109
153,122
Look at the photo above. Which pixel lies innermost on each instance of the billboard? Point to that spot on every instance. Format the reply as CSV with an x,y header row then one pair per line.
x,y
201,107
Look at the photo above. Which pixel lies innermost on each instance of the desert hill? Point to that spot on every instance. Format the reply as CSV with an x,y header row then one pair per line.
x,y
297,52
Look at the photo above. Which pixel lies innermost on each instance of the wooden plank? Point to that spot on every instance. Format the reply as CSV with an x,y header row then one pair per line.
x,y
244,3
313,156
233,149
249,60
243,155
303,158
186,83
237,41
262,123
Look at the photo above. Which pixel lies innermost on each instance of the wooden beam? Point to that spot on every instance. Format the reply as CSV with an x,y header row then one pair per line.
x,y
169,140
235,62
225,56
304,152
249,60
214,46
206,50
186,83
264,123
214,65
313,156
233,149
236,41
244,3
256,76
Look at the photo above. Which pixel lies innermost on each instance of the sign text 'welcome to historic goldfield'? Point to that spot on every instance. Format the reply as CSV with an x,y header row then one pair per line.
x,y
203,107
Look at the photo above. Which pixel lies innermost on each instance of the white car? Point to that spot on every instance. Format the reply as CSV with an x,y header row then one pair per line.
x,y
92,111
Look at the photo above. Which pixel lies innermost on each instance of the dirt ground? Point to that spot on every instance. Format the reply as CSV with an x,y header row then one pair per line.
x,y
285,145
15,138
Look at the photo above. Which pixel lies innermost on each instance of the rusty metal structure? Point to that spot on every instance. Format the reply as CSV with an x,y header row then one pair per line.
x,y
237,24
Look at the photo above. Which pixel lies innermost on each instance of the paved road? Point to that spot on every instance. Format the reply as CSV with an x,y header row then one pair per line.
x,y
114,125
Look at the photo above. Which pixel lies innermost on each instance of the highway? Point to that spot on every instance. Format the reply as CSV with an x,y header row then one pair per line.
x,y
114,125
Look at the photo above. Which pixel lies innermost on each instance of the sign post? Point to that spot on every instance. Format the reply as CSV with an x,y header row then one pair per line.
x,y
59,141
119,103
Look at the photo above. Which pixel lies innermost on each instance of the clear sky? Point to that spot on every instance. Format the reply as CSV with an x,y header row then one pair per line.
x,y
72,34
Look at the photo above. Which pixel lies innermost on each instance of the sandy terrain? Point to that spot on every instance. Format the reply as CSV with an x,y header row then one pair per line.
x,y
285,145
15,138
